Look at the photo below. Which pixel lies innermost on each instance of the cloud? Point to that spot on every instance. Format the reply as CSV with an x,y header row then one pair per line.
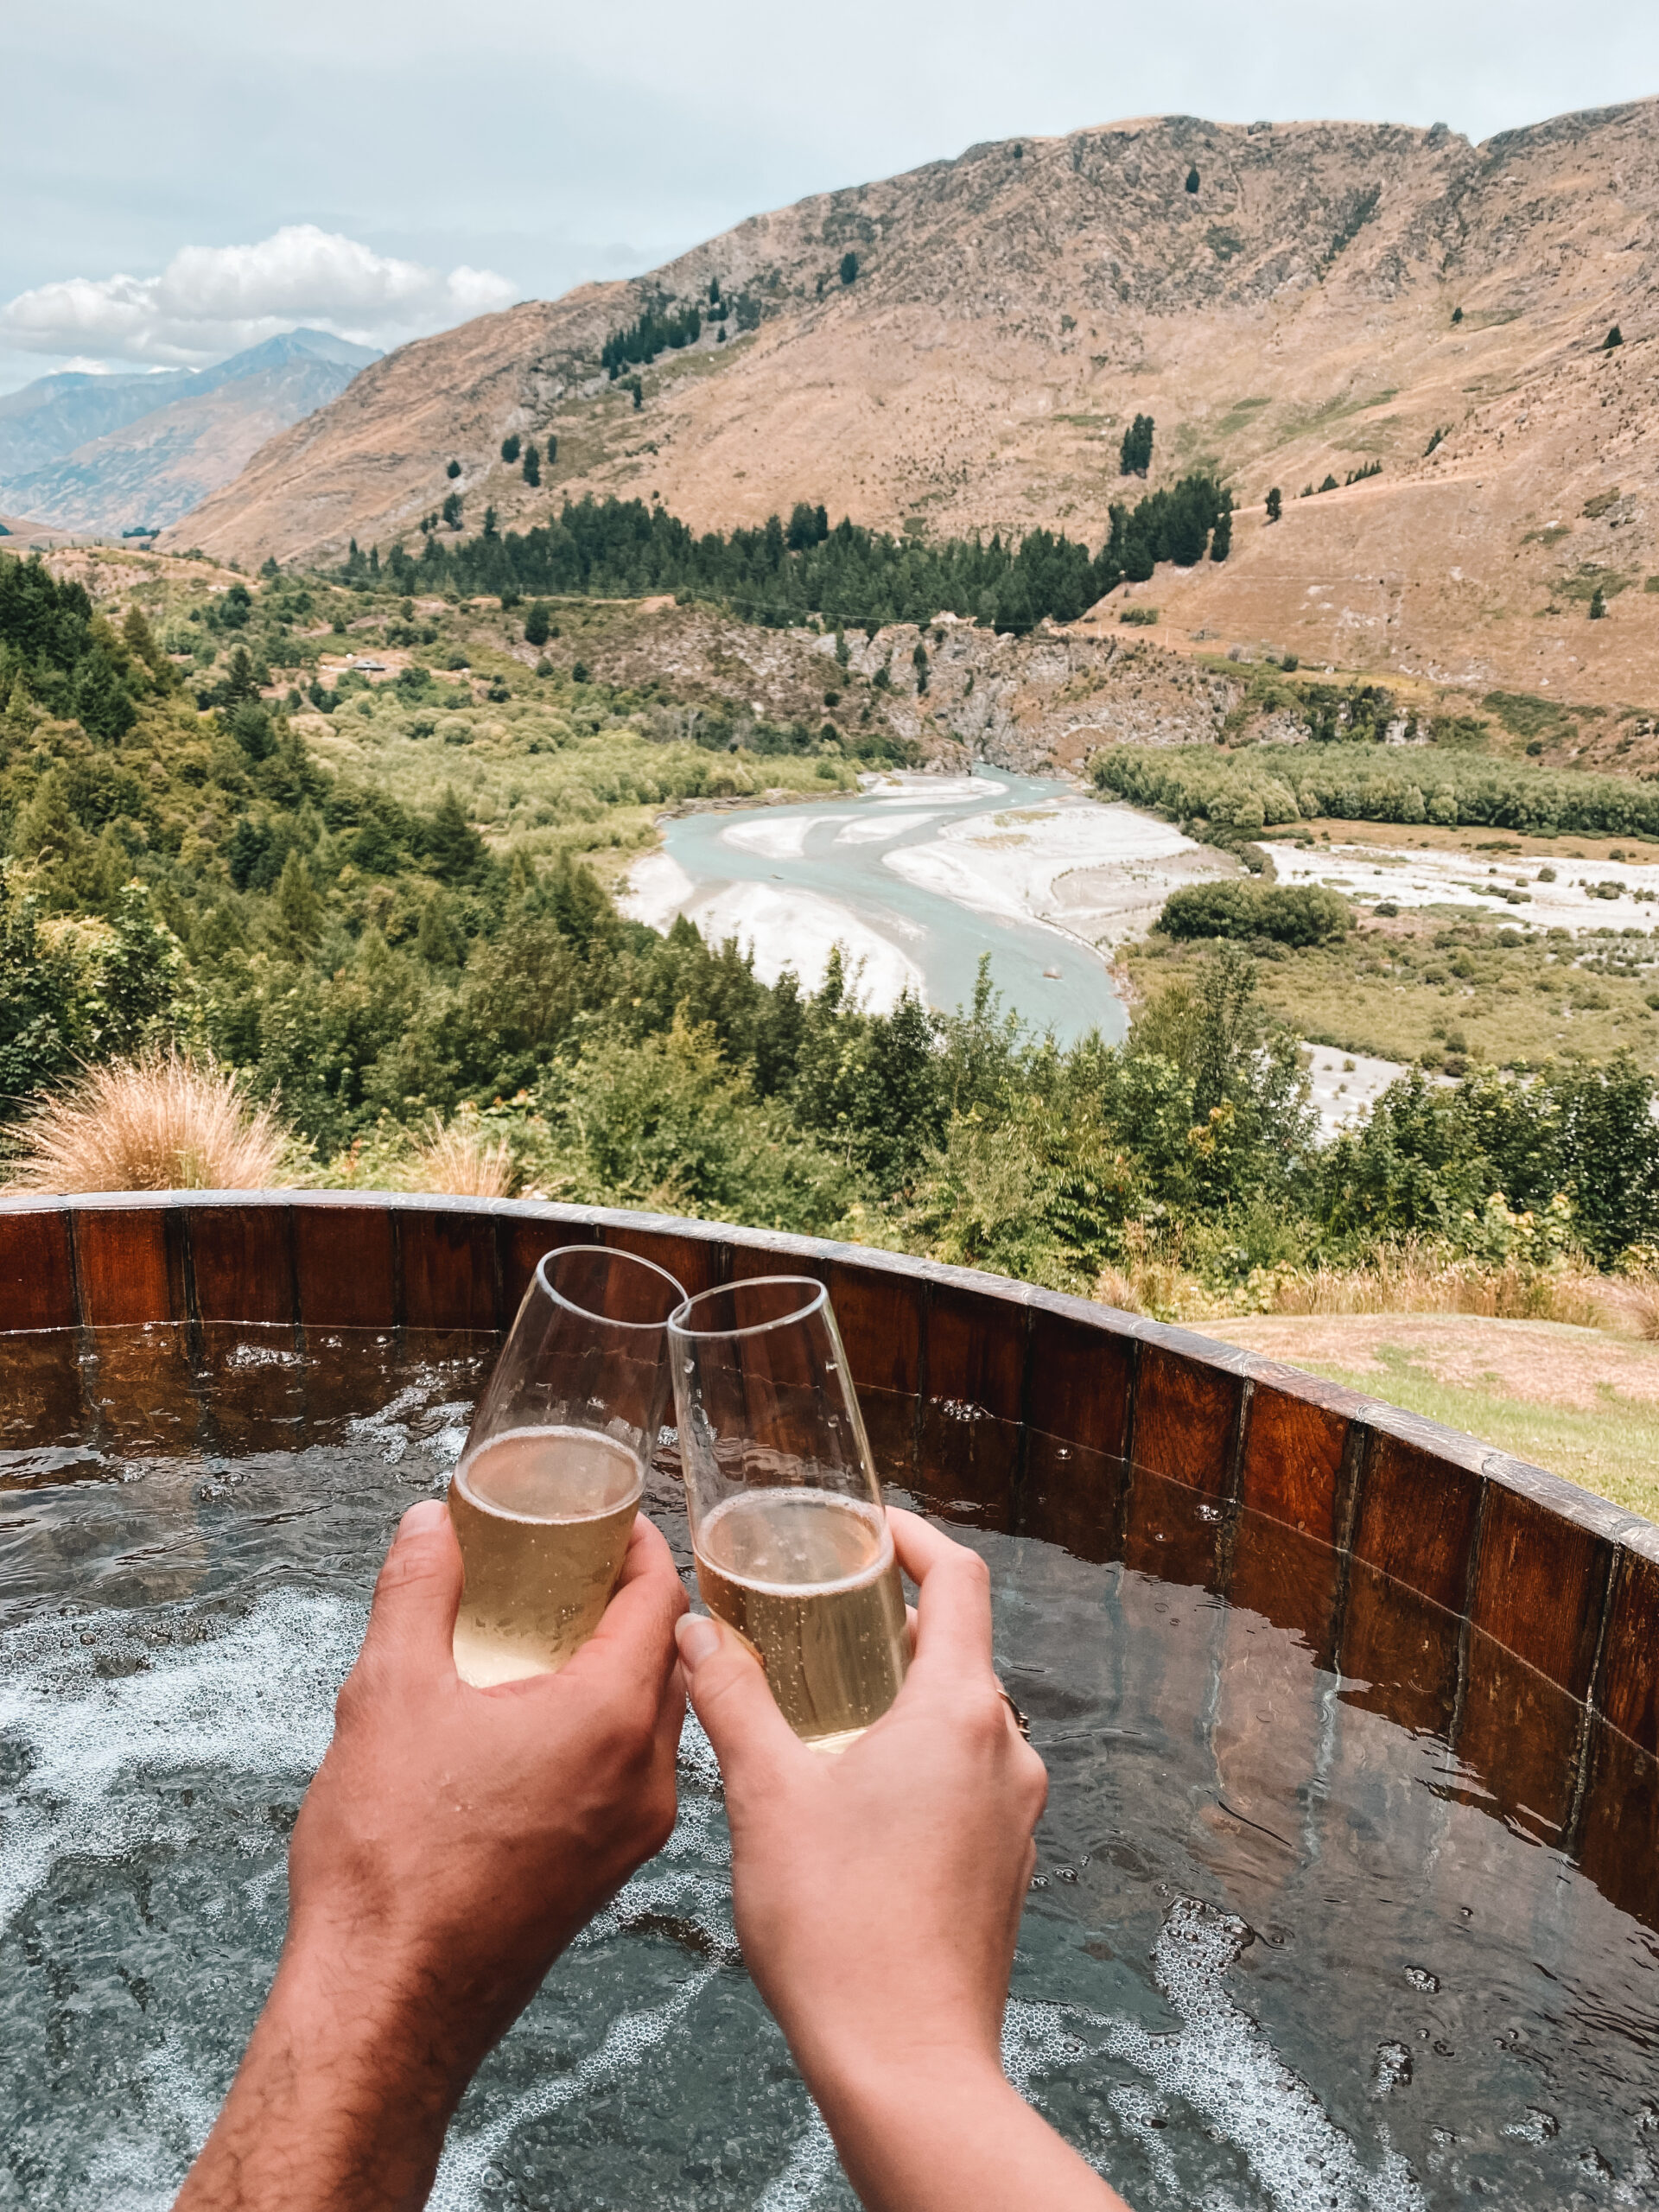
x,y
212,301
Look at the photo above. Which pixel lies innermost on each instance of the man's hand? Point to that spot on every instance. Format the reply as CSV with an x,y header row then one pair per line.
x,y
878,1897
454,1840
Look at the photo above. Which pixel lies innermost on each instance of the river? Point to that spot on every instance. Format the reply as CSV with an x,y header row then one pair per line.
x,y
868,873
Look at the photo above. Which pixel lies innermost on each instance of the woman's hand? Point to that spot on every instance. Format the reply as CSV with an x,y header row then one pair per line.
x,y
878,1898
453,1842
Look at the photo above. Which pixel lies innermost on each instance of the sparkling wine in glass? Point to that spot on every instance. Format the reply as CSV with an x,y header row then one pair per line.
x,y
791,1541
544,1496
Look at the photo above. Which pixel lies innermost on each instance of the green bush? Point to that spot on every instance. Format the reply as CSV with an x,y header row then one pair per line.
x,y
1288,915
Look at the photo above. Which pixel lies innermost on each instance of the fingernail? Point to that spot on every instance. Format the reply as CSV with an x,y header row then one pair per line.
x,y
428,1514
698,1639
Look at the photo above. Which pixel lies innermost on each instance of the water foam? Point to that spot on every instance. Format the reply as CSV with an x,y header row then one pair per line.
x,y
256,1700
1224,2067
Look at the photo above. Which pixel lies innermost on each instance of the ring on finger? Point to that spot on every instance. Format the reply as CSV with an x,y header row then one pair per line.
x,y
1019,1720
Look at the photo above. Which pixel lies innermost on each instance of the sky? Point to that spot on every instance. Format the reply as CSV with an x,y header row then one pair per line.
x,y
179,180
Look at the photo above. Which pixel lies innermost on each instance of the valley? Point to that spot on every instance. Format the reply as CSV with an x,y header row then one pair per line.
x,y
1072,863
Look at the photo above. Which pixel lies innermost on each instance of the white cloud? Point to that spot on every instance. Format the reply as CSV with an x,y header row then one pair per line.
x,y
211,301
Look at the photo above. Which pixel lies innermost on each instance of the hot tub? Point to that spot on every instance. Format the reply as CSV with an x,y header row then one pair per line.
x,y
1348,1887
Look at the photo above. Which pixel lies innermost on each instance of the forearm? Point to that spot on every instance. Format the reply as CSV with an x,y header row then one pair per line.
x,y
341,2102
937,2138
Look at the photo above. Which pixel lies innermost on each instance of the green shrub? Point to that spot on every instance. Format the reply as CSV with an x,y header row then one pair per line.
x,y
1286,913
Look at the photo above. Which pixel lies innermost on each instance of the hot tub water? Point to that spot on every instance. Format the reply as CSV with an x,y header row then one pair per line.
x,y
1237,1989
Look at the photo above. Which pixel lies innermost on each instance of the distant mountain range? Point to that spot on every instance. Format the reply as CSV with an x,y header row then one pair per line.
x,y
1421,324
114,453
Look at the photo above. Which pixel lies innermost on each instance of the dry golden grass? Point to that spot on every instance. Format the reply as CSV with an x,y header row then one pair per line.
x,y
458,1157
1409,1279
161,1122
1405,1278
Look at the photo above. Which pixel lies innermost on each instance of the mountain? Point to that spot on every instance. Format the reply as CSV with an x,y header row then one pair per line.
x,y
1288,302
110,453
53,416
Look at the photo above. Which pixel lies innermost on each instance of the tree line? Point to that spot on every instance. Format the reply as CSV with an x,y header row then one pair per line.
x,y
1268,784
789,572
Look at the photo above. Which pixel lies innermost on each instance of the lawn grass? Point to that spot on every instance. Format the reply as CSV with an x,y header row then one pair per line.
x,y
1613,1452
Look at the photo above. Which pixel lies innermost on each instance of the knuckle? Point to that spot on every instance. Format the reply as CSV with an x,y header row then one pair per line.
x,y
719,1680
630,1733
413,1561
352,1698
984,1718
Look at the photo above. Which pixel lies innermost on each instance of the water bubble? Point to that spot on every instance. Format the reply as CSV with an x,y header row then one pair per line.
x,y
1392,2070
1537,2126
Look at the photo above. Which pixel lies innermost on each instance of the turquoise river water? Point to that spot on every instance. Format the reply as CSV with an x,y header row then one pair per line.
x,y
944,938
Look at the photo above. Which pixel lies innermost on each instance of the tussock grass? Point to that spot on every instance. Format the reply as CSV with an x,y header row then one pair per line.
x,y
1410,1279
459,1158
162,1121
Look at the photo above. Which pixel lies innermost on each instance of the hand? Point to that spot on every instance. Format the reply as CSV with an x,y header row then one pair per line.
x,y
454,1840
878,1897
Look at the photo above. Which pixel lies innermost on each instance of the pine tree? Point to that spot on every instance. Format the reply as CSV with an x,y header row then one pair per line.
x,y
1615,337
140,641
1191,180
250,727
1275,504
1134,454
1221,544
299,909
240,683
552,448
454,850
452,471
1597,604
452,511
437,940
532,467
510,448
22,711
848,268
919,662
537,626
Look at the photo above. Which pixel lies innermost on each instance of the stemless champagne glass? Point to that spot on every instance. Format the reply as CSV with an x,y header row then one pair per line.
x,y
792,1542
544,1496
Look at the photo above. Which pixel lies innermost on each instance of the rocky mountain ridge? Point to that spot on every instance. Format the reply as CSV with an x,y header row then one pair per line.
x,y
1290,303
